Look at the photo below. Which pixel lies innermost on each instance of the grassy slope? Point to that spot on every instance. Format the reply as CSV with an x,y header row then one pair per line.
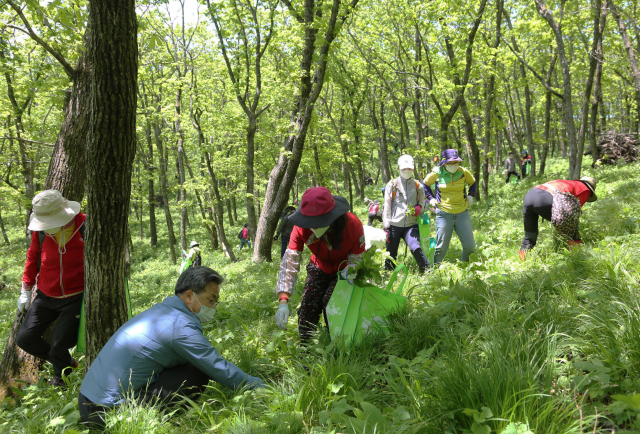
x,y
499,344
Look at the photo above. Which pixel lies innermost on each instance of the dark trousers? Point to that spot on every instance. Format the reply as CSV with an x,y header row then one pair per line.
x,y
172,383
285,244
42,312
373,217
317,291
536,203
411,236
509,176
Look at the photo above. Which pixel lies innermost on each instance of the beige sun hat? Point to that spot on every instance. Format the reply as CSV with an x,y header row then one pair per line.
x,y
591,184
51,210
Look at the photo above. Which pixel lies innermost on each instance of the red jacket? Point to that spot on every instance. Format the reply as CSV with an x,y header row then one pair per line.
x,y
327,259
61,275
576,188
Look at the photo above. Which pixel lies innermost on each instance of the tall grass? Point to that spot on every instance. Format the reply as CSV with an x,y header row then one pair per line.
x,y
497,345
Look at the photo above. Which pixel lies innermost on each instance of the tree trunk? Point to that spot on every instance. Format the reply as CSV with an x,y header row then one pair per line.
x,y
181,177
4,232
249,196
163,188
151,198
111,147
219,212
628,48
471,140
489,105
567,104
597,93
284,172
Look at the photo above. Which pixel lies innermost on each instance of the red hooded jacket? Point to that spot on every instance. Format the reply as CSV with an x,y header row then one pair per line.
x,y
62,268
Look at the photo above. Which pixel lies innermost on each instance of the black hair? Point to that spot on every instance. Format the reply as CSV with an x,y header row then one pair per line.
x,y
196,279
246,224
337,228
510,153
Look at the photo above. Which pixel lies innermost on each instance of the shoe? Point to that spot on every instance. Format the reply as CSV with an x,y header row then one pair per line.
x,y
74,363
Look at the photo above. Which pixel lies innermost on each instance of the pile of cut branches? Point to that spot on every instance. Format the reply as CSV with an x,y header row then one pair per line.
x,y
614,146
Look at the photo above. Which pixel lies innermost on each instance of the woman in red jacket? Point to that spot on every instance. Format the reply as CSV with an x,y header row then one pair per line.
x,y
336,240
56,265
559,202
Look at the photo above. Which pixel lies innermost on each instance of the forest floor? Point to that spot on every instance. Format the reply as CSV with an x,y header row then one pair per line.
x,y
549,345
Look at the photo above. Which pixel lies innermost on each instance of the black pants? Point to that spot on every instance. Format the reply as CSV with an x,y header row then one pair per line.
x,y
285,244
42,312
317,291
172,383
411,236
509,176
536,203
373,217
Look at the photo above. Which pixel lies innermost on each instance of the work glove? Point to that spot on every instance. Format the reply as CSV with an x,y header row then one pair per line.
x,y
24,301
469,200
282,316
417,209
433,202
275,238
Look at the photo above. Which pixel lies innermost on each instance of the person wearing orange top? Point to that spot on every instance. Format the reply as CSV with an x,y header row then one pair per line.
x,y
559,202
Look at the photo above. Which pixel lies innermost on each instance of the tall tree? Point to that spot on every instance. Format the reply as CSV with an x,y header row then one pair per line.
x,y
284,172
246,17
111,147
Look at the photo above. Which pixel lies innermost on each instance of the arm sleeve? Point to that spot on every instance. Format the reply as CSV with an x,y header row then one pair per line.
x,y
31,266
289,269
282,222
471,181
386,210
428,181
422,201
190,343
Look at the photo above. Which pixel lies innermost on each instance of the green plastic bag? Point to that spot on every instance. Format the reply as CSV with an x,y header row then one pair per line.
x,y
427,243
81,346
355,311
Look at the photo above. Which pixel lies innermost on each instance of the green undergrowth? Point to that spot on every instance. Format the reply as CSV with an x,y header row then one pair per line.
x,y
549,345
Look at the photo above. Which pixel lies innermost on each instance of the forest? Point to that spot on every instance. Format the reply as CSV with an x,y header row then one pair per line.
x,y
178,120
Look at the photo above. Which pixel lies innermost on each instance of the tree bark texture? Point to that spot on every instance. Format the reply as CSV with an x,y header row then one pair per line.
x,y
111,148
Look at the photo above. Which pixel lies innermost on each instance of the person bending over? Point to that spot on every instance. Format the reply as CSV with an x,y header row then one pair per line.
x,y
559,202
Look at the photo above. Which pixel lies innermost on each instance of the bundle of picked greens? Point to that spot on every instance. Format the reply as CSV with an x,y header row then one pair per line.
x,y
368,270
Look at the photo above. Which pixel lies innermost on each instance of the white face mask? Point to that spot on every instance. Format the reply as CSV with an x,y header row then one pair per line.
x,y
406,173
451,168
206,313
318,232
53,231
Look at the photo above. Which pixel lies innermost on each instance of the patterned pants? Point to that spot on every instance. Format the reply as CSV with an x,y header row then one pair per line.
x,y
565,215
317,291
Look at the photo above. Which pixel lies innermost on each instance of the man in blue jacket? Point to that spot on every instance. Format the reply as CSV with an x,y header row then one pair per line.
x,y
162,352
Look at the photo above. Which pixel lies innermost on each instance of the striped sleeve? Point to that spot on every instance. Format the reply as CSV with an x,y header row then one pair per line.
x,y
289,269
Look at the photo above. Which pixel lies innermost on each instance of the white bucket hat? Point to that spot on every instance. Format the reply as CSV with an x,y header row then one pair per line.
x,y
406,162
51,210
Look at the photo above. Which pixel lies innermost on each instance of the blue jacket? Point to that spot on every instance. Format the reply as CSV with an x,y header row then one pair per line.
x,y
163,336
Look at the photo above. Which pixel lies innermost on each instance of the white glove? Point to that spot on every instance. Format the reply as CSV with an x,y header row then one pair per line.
x,y
24,301
282,316
469,200
433,202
